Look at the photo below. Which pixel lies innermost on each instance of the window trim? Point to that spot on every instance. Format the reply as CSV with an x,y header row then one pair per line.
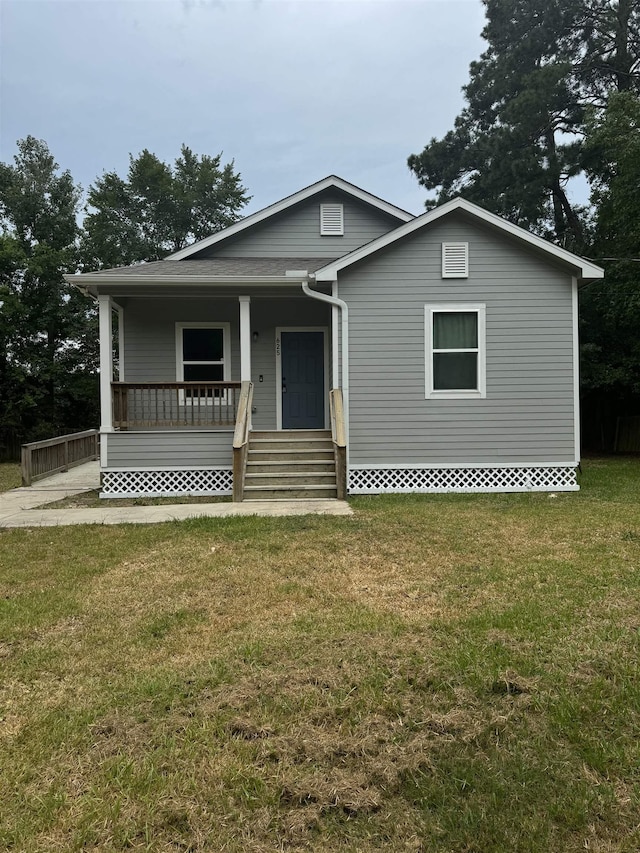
x,y
226,353
479,309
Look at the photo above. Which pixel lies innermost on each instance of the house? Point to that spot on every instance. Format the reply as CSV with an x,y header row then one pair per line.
x,y
334,342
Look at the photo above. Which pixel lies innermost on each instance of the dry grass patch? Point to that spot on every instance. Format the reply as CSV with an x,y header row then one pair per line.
x,y
92,500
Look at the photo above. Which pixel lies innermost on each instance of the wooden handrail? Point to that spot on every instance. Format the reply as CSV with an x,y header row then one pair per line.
x,y
178,385
40,459
241,439
339,439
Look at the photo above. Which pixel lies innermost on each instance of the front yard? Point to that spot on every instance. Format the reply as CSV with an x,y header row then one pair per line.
x,y
443,673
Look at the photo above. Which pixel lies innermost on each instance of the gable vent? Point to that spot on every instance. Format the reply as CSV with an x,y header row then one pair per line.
x,y
455,260
331,220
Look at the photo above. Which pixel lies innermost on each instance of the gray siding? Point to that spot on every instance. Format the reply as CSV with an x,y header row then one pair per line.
x,y
528,412
296,232
160,449
150,333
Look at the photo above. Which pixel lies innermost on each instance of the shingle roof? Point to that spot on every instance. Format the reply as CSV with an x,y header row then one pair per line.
x,y
232,267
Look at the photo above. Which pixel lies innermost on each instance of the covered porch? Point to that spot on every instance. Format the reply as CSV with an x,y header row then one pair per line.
x,y
176,360
187,376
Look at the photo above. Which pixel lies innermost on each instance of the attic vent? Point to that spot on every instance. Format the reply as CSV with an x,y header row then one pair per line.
x,y
455,260
331,220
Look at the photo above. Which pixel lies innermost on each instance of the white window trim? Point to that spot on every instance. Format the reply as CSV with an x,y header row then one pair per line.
x,y
464,394
326,231
226,352
445,250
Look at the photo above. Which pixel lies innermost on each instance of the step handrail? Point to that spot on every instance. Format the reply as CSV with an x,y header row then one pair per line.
x,y
241,439
339,439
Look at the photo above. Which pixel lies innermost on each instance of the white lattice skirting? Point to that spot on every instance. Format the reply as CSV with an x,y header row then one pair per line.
x,y
166,484
373,481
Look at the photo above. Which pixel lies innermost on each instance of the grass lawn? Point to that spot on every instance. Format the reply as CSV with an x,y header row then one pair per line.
x,y
436,673
10,477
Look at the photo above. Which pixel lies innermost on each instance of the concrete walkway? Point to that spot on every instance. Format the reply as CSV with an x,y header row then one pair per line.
x,y
17,507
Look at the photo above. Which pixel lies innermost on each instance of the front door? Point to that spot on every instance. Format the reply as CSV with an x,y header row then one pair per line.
x,y
302,380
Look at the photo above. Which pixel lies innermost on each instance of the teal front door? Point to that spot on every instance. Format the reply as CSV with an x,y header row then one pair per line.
x,y
302,380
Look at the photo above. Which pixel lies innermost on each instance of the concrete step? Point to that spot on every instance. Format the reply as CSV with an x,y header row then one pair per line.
x,y
269,493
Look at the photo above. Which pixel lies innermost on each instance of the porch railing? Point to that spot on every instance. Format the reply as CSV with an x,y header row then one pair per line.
x,y
145,405
43,458
241,440
339,438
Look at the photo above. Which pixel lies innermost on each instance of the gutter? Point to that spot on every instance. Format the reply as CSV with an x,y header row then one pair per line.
x,y
344,309
91,280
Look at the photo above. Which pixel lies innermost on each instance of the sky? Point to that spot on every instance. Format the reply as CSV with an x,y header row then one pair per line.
x,y
290,90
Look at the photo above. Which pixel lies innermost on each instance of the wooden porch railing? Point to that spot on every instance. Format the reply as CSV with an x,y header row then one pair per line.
x,y
241,440
339,438
42,458
140,405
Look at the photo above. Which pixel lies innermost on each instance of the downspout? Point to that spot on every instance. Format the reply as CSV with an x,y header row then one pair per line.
x,y
344,309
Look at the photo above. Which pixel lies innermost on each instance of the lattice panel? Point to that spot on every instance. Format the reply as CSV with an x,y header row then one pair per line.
x,y
152,484
371,481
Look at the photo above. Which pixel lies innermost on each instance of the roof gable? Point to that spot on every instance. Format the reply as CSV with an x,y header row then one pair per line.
x,y
586,269
331,182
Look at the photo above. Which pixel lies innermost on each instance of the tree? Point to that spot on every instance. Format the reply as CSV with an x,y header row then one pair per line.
x,y
610,311
159,208
46,327
519,139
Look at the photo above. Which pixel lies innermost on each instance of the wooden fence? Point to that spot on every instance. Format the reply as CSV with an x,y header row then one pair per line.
x,y
628,435
42,458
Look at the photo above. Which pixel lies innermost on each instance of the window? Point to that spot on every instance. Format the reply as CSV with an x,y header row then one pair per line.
x,y
331,220
455,351
455,260
202,355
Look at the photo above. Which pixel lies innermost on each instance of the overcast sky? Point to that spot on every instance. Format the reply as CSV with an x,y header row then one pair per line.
x,y
291,90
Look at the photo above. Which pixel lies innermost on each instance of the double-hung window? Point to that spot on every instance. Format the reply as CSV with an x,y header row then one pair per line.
x,y
202,355
455,351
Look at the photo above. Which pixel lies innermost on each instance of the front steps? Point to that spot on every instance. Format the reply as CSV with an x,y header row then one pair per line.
x,y
294,464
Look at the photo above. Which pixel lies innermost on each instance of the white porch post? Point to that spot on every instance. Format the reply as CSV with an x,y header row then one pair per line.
x,y
106,361
120,341
245,338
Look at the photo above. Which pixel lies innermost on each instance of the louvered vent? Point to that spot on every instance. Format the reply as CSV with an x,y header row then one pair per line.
x,y
455,260
331,220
